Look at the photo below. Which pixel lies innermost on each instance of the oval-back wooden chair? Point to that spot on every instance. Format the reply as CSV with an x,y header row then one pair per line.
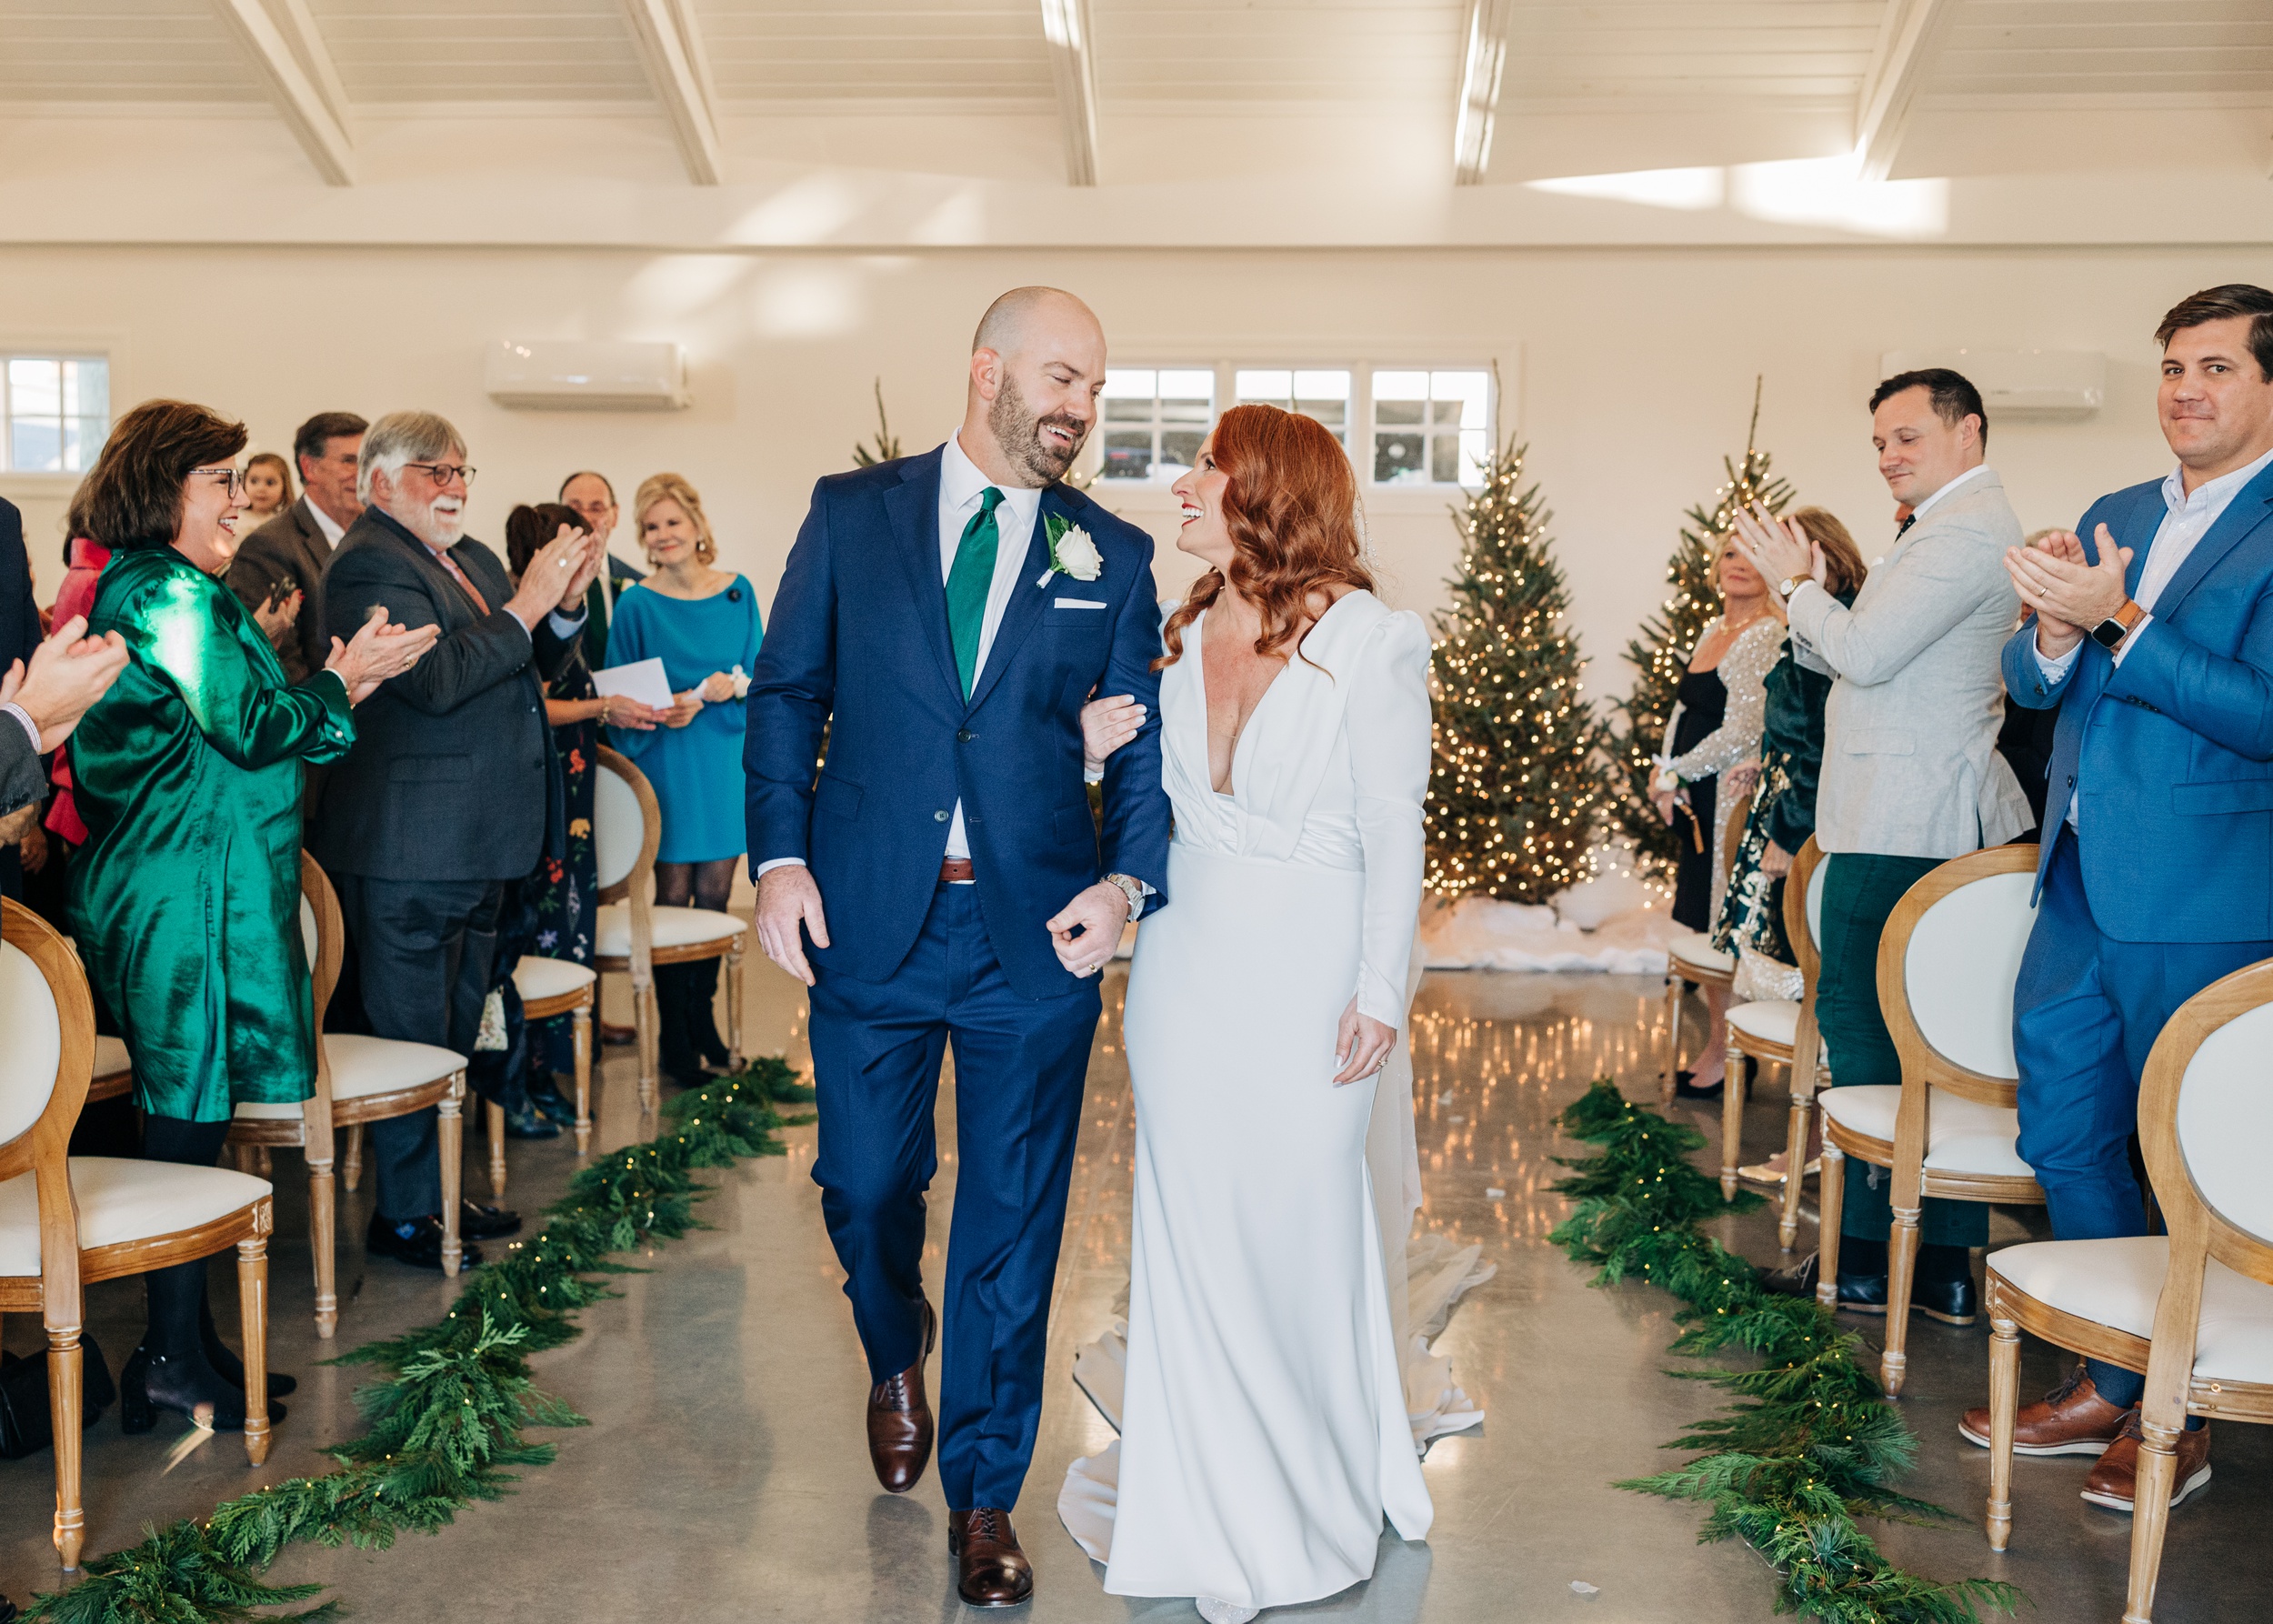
x,y
1782,1032
633,935
555,987
1947,962
1691,957
67,1222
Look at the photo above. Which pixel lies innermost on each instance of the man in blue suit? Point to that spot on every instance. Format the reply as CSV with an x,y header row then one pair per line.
x,y
945,617
2155,639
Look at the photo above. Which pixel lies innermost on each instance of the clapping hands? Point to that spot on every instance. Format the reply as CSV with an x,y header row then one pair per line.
x,y
379,650
1778,548
68,673
2068,594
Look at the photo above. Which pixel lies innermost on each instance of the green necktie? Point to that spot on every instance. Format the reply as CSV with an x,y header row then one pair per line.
x,y
969,582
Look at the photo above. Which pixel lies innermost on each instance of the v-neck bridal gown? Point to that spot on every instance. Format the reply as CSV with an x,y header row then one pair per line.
x,y
1263,1431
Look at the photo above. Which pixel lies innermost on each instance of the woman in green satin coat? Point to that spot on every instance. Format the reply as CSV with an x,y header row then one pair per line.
x,y
185,899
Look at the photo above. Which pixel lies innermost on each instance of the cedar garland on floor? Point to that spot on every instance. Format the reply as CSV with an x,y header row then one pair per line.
x,y
1812,1443
449,1420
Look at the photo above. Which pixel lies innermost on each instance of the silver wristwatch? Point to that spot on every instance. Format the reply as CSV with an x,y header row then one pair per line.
x,y
1132,888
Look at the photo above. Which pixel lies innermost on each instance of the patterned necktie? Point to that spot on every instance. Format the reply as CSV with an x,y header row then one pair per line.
x,y
969,582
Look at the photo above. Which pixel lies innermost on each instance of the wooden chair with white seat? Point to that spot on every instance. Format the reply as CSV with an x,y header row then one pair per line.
x,y
1783,1032
554,986
1690,955
358,1079
1947,962
633,934
67,1222
2192,1308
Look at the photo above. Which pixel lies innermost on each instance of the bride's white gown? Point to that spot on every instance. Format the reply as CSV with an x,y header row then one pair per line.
x,y
1264,1432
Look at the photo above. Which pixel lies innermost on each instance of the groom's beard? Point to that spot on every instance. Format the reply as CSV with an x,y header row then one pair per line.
x,y
1019,434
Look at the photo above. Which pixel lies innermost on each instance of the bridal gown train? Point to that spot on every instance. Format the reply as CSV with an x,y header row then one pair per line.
x,y
1264,1427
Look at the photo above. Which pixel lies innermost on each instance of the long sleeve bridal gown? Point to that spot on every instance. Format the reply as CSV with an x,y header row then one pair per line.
x,y
1264,1432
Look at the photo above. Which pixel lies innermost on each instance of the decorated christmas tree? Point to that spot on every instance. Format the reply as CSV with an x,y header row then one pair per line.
x,y
1517,790
1661,653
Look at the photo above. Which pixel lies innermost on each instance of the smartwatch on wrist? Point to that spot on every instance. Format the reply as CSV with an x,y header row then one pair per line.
x,y
2110,633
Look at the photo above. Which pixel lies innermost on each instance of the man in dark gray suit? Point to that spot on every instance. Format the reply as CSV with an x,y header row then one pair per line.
x,y
452,789
19,635
292,551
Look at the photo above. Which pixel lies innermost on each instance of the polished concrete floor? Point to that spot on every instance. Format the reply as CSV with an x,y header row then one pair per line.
x,y
724,1476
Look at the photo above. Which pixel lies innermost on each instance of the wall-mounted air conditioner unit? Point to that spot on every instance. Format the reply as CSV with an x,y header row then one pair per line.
x,y
549,375
2018,383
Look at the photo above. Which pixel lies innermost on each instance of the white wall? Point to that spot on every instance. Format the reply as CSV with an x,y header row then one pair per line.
x,y
1630,370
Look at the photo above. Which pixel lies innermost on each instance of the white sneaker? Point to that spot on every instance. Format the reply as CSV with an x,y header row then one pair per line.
x,y
1222,1612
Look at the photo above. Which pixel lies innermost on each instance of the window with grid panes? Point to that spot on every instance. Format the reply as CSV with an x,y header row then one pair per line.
x,y
1320,393
55,413
1432,427
1156,420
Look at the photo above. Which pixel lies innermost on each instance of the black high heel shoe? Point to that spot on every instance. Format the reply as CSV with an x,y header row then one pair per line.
x,y
226,1365
151,1383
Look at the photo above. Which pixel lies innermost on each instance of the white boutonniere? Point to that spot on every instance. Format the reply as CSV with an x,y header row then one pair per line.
x,y
1071,551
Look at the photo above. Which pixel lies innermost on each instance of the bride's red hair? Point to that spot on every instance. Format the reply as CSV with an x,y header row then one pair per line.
x,y
1291,508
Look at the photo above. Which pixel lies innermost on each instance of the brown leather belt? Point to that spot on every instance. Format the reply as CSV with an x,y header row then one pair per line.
x,y
956,871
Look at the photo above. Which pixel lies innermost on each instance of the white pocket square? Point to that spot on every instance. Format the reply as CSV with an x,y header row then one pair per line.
x,y
1078,603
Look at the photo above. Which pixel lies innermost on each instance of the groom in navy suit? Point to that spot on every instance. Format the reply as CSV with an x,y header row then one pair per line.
x,y
2154,640
945,617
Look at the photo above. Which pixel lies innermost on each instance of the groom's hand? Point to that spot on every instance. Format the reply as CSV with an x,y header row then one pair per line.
x,y
1098,915
786,899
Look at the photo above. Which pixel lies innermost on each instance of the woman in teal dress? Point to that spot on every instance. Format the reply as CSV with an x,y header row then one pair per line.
x,y
703,623
186,898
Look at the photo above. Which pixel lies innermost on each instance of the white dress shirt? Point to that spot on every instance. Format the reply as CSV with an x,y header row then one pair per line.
x,y
961,485
1927,506
2185,519
333,531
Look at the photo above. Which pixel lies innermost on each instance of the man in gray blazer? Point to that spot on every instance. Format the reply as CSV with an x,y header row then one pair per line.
x,y
292,551
1911,777
452,789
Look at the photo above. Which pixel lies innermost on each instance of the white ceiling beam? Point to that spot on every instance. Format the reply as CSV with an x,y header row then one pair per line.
x,y
1073,64
672,48
1908,42
301,80
1485,61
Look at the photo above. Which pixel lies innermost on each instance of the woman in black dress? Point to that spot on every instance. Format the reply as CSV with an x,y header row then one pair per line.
x,y
1714,734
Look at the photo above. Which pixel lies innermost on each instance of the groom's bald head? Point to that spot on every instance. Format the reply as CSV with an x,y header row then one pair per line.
x,y
1038,364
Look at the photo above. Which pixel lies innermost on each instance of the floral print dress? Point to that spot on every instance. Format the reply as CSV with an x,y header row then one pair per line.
x,y
564,892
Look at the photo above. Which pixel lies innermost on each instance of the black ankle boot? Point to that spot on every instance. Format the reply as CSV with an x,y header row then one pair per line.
x,y
224,1360
676,1053
701,1020
184,1384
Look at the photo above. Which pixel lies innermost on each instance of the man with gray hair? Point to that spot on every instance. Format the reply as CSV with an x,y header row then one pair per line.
x,y
452,789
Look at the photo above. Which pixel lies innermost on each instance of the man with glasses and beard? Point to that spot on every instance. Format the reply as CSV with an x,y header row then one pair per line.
x,y
945,617
452,789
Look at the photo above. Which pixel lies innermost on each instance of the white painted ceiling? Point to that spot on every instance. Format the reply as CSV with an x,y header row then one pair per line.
x,y
1981,87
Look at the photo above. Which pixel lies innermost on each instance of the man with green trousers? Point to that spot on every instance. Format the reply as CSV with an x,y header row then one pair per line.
x,y
1911,777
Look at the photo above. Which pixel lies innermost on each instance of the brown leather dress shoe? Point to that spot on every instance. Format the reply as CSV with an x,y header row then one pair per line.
x,y
899,1420
2070,1419
990,1568
2113,1478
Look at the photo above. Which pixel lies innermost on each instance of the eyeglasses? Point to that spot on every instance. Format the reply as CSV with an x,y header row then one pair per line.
x,y
443,473
236,476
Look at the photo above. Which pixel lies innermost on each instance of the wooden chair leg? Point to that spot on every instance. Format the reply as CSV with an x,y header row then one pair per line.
x,y
67,1408
1673,1033
324,1241
351,1159
252,1292
1803,1101
644,1020
580,1034
451,1137
2150,1517
2004,1404
734,1004
1831,1203
494,1119
1731,1125
1901,1272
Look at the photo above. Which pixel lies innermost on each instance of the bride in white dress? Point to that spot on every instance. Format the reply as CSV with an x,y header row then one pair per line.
x,y
1264,1433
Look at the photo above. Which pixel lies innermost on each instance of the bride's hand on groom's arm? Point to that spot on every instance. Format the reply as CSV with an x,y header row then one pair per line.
x,y
1105,725
1098,914
786,899
1361,1044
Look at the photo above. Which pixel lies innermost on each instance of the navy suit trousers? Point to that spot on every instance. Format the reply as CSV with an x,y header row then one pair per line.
x,y
2087,1010
1019,1066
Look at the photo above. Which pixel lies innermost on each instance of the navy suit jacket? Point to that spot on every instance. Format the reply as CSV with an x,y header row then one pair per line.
x,y
857,643
2171,754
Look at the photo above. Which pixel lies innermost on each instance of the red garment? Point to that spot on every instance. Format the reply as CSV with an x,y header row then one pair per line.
x,y
74,597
